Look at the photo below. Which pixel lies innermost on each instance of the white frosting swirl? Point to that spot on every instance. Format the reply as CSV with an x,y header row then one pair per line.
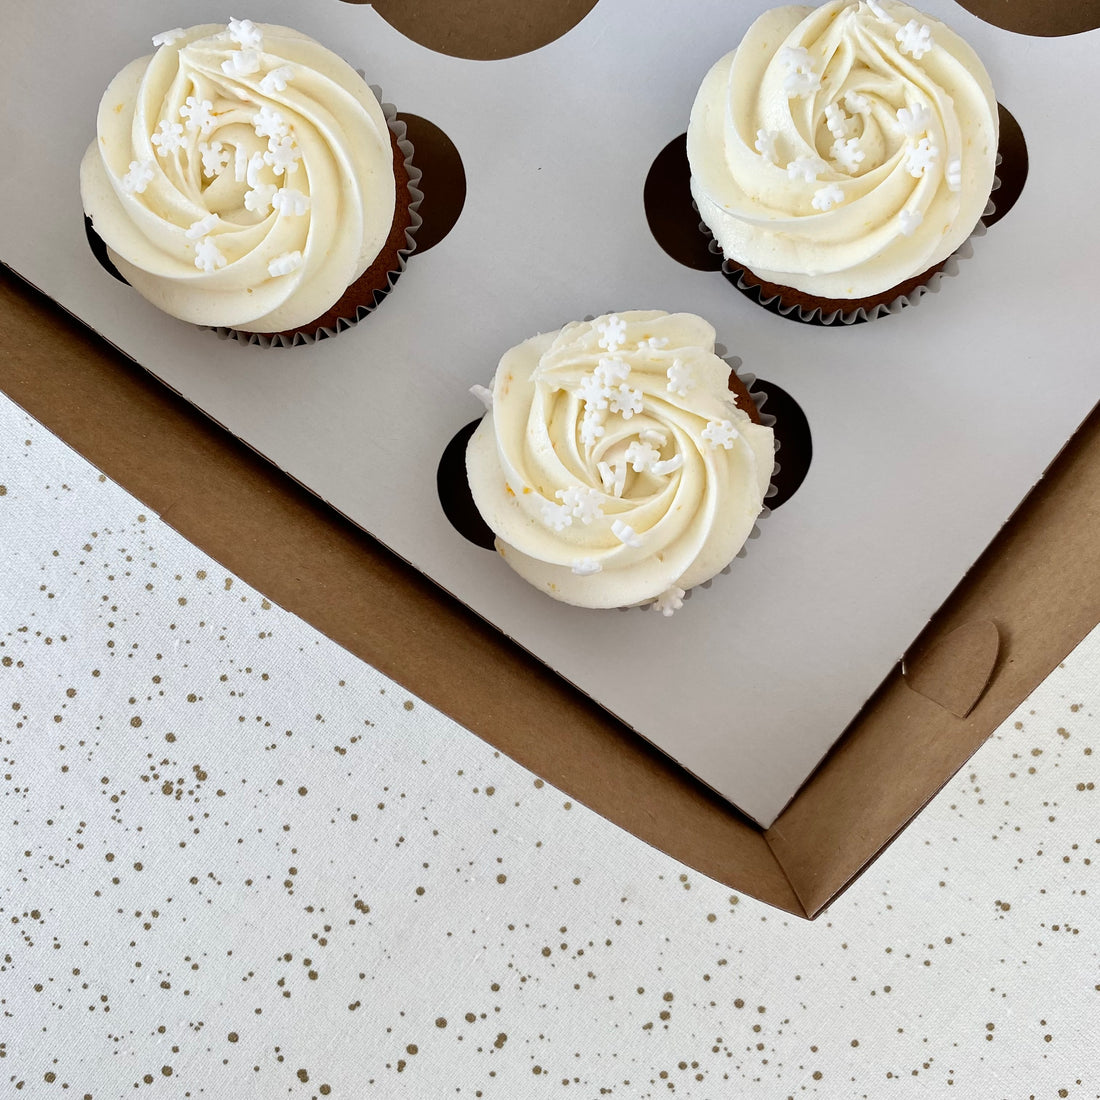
x,y
844,149
241,177
614,466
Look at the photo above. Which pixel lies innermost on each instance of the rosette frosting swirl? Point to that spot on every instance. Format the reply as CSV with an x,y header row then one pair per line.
x,y
614,465
241,176
845,149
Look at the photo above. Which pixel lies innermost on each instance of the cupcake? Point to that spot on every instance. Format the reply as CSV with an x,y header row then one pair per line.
x,y
620,461
245,177
841,154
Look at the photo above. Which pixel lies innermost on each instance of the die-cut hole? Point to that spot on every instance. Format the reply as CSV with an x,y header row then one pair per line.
x,y
99,251
792,434
443,181
454,491
1038,20
1012,171
482,30
673,219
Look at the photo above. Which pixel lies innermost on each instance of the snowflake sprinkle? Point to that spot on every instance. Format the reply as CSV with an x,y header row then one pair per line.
x,y
240,164
952,173
593,392
207,256
720,433
591,427
246,33
285,264
839,124
915,39
201,228
168,138
681,378
909,221
914,120
582,503
613,477
856,103
268,123
626,534
825,198
277,80
288,201
806,168
669,466
612,372
586,567
198,115
670,600
642,456
626,401
283,155
556,516
612,333
765,144
848,155
138,178
920,157
215,158
799,77
241,63
878,11
261,198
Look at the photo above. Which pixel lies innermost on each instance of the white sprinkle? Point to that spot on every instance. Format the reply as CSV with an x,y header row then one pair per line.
x,y
241,63
720,433
586,567
285,264
138,178
277,80
825,198
626,534
202,227
670,600
246,33
909,221
207,256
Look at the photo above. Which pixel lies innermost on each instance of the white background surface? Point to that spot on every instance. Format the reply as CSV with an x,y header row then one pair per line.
x,y
234,855
928,427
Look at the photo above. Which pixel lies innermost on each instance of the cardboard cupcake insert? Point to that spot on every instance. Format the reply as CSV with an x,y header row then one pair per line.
x,y
926,429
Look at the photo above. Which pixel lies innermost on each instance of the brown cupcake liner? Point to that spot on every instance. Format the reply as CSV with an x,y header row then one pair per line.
x,y
827,312
371,288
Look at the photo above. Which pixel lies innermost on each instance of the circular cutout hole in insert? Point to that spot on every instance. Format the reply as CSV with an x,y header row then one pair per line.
x,y
443,180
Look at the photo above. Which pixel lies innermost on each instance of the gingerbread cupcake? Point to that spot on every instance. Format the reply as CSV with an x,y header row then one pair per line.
x,y
245,177
841,154
621,461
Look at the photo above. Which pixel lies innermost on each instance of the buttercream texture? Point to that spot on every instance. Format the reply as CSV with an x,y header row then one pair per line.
x,y
845,149
614,466
241,176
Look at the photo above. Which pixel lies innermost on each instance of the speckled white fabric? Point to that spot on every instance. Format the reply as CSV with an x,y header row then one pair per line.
x,y
239,862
